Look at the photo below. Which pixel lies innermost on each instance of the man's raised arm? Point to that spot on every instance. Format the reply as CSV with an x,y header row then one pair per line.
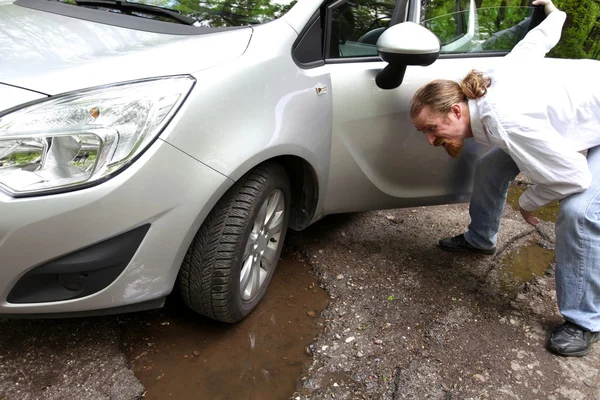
x,y
540,40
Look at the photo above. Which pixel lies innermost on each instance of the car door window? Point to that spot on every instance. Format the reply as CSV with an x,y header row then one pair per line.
x,y
355,26
477,26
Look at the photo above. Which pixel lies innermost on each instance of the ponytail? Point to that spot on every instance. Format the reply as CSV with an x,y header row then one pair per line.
x,y
475,84
440,95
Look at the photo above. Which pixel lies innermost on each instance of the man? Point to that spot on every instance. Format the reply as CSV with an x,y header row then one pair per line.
x,y
541,115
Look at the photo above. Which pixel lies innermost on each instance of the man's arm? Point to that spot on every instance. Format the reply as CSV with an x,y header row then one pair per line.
x,y
540,40
547,158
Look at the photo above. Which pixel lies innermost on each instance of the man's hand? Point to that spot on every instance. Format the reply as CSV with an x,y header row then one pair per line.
x,y
548,5
529,217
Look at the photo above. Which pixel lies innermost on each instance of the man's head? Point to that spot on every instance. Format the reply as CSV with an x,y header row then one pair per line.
x,y
441,111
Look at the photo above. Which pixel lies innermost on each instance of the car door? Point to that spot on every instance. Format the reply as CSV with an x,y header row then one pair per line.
x,y
378,159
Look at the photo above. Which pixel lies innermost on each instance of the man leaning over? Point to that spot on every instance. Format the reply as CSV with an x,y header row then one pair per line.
x,y
540,120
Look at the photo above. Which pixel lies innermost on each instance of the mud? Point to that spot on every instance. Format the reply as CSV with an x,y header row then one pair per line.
x,y
177,354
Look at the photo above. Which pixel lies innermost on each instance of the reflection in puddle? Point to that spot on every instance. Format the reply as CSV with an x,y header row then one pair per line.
x,y
180,355
547,213
524,264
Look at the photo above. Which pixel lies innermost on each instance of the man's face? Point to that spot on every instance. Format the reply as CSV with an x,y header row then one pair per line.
x,y
442,130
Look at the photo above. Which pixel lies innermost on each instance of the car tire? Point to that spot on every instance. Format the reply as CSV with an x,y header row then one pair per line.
x,y
232,258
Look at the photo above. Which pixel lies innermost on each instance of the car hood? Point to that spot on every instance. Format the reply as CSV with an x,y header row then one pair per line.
x,y
51,53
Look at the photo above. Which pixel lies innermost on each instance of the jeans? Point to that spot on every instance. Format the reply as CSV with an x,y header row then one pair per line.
x,y
577,233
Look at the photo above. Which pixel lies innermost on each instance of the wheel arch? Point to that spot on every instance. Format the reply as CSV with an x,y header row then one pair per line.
x,y
304,184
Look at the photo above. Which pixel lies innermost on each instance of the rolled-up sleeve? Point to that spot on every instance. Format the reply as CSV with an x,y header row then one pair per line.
x,y
540,40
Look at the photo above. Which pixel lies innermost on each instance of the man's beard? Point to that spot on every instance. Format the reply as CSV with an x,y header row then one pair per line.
x,y
453,146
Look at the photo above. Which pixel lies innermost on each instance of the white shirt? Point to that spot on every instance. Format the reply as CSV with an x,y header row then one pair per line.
x,y
543,112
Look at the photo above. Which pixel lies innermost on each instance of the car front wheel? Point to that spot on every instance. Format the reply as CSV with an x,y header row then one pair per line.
x,y
231,260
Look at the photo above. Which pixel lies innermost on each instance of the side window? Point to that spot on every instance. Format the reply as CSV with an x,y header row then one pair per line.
x,y
477,26
356,25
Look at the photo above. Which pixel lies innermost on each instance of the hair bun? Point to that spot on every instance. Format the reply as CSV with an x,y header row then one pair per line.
x,y
475,84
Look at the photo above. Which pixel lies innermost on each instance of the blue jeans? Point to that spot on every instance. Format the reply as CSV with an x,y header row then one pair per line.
x,y
577,233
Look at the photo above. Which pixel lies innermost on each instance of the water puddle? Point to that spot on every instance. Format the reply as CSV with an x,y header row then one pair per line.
x,y
547,213
532,259
524,264
180,355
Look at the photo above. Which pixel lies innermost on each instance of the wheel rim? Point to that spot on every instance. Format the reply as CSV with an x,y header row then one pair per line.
x,y
263,243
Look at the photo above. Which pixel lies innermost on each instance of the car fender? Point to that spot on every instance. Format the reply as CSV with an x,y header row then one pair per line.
x,y
256,108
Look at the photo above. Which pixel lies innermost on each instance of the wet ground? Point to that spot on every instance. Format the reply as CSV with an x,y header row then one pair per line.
x,y
177,354
362,306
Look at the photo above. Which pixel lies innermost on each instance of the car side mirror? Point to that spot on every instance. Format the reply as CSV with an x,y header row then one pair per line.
x,y
402,45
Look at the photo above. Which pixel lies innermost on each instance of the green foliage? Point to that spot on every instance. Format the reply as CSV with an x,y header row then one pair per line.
x,y
581,32
223,13
502,23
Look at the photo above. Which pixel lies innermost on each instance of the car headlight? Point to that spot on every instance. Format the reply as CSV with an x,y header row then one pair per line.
x,y
80,138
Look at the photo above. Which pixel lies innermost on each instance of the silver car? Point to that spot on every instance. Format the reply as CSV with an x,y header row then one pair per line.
x,y
171,144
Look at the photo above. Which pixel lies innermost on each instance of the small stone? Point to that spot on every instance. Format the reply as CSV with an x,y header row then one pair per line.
x,y
479,377
337,336
311,314
390,217
340,277
359,354
343,234
335,384
320,251
378,342
196,353
350,339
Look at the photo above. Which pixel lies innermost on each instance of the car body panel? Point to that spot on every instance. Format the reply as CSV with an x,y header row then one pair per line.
x,y
379,160
35,230
12,96
277,110
41,49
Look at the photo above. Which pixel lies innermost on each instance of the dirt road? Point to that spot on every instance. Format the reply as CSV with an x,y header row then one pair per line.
x,y
404,321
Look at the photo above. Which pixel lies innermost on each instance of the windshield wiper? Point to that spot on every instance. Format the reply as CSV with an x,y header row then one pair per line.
x,y
128,8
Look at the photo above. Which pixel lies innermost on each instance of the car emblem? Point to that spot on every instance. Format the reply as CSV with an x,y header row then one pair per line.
x,y
321,90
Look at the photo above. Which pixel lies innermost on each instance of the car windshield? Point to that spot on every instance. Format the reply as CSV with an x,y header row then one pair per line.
x,y
206,13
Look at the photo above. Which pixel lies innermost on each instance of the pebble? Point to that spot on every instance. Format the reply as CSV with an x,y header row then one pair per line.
x,y
359,354
378,341
350,339
337,336
311,314
196,353
340,277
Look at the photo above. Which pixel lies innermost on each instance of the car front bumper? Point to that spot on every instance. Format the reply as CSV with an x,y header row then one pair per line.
x,y
165,195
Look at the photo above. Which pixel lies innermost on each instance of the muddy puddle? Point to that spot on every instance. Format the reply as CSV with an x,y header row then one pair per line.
x,y
524,264
530,260
547,213
177,354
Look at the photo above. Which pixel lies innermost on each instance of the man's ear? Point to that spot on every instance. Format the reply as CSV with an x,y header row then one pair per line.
x,y
456,110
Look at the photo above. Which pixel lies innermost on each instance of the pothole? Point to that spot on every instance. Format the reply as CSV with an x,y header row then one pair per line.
x,y
524,264
181,355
